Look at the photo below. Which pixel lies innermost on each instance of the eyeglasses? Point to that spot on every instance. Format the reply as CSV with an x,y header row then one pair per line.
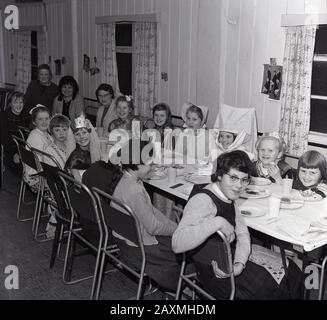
x,y
235,179
103,95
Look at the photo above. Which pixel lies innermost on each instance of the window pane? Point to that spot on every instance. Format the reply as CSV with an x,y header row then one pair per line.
x,y
319,78
321,36
124,35
318,115
34,39
124,66
34,56
34,73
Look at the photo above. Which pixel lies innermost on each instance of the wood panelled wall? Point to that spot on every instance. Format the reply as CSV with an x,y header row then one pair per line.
x,y
212,50
177,43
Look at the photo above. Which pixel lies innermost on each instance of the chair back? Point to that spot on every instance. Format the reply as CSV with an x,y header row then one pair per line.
x,y
57,188
120,218
84,207
45,155
24,132
27,156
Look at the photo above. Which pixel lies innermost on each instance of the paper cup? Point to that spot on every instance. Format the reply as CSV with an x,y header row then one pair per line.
x,y
172,173
287,186
274,205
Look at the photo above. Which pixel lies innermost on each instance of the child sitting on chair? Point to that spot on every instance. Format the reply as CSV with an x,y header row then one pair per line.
x,y
270,163
311,174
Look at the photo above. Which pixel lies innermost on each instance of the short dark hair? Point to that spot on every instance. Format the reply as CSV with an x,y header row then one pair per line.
x,y
14,96
163,107
65,81
105,87
312,160
237,159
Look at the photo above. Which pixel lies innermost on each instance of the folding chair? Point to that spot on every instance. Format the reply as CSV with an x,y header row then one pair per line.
x,y
45,197
127,226
193,282
24,132
83,208
28,158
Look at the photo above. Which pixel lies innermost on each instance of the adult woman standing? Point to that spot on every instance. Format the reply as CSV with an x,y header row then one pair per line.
x,y
41,91
68,102
107,111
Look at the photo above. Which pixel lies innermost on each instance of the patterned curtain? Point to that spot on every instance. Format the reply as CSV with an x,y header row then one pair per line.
x,y
296,91
23,73
146,64
42,48
2,55
109,69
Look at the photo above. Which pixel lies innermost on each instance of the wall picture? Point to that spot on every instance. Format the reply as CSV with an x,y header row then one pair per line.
x,y
272,81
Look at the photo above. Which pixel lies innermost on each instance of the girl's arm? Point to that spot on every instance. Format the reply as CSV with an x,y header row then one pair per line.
x,y
76,174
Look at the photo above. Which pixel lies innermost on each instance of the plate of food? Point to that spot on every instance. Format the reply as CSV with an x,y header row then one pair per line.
x,y
291,203
258,181
252,212
254,192
310,195
197,179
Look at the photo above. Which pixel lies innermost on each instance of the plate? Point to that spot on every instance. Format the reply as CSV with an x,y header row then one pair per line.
x,y
291,206
258,181
310,195
253,192
197,179
155,177
251,212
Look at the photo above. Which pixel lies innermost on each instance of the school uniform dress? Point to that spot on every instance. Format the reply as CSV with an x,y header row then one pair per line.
x,y
162,263
196,233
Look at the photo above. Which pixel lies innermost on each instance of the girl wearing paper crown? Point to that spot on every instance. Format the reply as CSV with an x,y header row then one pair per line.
x,y
200,143
87,149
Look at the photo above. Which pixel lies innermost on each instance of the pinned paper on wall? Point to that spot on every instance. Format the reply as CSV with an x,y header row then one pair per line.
x,y
272,80
86,63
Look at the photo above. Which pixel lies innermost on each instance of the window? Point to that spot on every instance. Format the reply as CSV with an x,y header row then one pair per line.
x,y
318,116
124,56
34,55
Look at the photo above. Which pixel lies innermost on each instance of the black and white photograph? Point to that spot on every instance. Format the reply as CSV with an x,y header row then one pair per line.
x,y
162,150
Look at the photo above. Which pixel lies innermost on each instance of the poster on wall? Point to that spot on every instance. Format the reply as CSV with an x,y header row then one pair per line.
x,y
272,81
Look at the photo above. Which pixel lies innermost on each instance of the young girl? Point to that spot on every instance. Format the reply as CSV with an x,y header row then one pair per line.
x,y
200,144
14,118
229,141
125,113
61,147
39,137
156,228
270,163
214,209
87,149
311,174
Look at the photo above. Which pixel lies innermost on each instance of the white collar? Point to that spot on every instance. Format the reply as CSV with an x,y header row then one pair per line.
x,y
217,190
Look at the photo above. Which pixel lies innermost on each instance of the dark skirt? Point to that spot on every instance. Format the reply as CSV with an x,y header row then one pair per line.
x,y
254,283
162,264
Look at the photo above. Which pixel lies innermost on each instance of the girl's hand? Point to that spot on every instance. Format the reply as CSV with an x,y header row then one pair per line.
x,y
16,158
218,273
238,268
274,172
227,229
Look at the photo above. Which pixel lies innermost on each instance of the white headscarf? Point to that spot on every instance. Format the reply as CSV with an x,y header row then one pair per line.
x,y
204,109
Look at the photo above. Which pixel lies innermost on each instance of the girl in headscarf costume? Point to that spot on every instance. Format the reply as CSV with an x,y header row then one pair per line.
x,y
200,143
87,149
242,124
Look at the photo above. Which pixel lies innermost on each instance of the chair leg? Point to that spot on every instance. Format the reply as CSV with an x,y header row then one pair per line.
x,y
99,284
21,201
55,245
180,281
69,258
322,285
